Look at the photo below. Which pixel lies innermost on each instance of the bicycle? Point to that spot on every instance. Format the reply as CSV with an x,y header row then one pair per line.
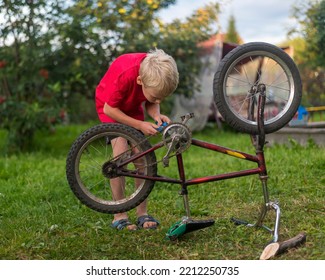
x,y
257,90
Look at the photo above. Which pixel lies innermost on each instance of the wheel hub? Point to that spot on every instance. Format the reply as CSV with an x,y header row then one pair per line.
x,y
257,88
109,169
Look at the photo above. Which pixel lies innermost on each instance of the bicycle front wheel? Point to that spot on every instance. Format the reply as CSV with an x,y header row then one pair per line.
x,y
240,74
93,164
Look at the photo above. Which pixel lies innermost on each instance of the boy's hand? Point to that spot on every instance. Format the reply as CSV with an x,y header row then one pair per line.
x,y
161,119
148,128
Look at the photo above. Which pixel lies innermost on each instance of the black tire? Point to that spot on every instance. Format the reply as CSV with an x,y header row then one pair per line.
x,y
250,65
92,153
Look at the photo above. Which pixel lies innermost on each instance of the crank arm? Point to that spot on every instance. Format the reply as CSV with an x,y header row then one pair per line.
x,y
170,149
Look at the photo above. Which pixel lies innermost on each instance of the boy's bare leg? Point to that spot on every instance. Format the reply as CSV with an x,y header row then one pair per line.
x,y
118,184
142,208
120,145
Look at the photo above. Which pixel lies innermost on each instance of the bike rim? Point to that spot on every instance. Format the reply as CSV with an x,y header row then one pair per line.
x,y
253,68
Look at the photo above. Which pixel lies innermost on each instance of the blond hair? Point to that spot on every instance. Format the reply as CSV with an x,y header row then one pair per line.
x,y
158,70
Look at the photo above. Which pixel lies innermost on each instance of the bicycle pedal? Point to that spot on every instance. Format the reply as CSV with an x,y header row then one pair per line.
x,y
176,230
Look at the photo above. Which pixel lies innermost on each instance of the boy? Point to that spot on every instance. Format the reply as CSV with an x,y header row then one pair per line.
x,y
133,79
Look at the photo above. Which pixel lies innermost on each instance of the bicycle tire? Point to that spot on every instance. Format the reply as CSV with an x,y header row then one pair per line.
x,y
247,66
85,165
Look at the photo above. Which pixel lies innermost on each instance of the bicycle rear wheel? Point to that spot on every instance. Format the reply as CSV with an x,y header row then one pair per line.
x,y
92,168
238,78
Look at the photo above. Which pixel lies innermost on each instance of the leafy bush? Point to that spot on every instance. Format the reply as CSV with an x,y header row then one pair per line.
x,y
22,119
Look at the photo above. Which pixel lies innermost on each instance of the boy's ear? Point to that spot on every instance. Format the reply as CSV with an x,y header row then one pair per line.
x,y
139,81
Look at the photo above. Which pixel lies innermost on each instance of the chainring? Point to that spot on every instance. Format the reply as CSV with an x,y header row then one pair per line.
x,y
180,133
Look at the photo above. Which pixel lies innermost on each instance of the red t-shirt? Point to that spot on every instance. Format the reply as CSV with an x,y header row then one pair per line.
x,y
119,88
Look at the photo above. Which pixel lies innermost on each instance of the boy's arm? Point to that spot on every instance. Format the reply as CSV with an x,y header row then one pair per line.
x,y
153,110
116,114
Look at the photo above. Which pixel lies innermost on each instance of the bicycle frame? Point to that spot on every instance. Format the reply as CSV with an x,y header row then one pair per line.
x,y
258,158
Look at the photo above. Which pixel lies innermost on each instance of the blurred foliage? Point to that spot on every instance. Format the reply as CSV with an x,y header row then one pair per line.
x,y
309,44
54,52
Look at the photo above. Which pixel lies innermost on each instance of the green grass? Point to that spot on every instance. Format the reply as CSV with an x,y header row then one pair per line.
x,y
41,219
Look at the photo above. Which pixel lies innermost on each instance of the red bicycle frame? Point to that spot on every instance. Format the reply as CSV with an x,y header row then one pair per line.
x,y
258,158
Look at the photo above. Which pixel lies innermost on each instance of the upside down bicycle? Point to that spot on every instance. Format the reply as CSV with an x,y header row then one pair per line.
x,y
257,90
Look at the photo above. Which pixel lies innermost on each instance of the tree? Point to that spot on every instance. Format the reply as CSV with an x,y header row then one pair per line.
x,y
310,53
27,102
232,35
311,18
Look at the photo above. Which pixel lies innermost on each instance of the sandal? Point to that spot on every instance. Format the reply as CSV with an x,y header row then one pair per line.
x,y
146,218
121,224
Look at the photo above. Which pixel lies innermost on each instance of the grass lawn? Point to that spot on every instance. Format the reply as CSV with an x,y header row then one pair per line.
x,y
41,219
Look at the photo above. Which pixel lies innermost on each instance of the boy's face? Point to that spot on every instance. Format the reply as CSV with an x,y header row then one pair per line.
x,y
150,94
